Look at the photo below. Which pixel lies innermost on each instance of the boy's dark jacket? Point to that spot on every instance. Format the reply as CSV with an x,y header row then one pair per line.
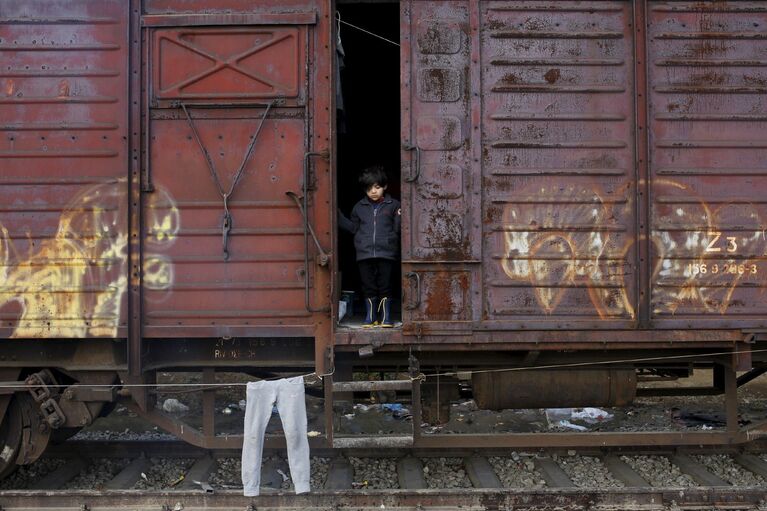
x,y
375,235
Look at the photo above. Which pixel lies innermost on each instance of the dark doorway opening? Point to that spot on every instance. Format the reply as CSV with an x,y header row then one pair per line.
x,y
368,127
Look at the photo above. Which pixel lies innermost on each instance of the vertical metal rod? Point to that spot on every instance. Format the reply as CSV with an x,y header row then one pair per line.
x,y
414,371
146,185
731,397
642,158
133,93
416,411
328,405
209,403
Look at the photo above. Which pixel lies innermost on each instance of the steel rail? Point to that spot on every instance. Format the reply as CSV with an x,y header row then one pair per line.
x,y
471,499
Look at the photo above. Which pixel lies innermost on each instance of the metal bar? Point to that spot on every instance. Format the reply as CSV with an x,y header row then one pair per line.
x,y
186,20
467,499
373,442
731,398
679,391
209,403
135,345
328,401
751,375
642,156
363,386
220,105
10,387
576,440
146,183
416,410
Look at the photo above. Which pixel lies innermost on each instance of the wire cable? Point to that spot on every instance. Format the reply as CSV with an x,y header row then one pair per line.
x,y
367,32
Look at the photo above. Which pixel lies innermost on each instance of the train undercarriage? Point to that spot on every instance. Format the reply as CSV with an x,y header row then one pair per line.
x,y
47,396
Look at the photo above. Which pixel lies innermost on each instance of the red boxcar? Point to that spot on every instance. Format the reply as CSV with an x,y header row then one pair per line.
x,y
581,181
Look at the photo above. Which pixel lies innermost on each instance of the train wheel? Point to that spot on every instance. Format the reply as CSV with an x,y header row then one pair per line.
x,y
11,431
36,433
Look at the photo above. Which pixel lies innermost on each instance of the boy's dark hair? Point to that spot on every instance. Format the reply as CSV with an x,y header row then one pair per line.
x,y
373,175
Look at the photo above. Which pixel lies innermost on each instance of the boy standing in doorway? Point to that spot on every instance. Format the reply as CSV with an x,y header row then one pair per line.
x,y
375,223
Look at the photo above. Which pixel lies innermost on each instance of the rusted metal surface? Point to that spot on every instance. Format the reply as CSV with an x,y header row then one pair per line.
x,y
559,184
77,234
441,242
554,388
619,153
707,84
226,63
63,188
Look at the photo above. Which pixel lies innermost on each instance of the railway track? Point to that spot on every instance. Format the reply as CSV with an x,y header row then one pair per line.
x,y
161,475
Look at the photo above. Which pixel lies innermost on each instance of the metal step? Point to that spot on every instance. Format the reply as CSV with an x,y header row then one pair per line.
x,y
384,441
362,386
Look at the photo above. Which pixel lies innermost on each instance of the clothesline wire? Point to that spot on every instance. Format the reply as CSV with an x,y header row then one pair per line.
x,y
596,363
422,376
367,31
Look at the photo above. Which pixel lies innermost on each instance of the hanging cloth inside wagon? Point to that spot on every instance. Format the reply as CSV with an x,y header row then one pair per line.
x,y
340,54
226,223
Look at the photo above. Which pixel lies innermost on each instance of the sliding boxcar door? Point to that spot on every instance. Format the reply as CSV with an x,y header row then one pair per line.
x,y
237,104
440,194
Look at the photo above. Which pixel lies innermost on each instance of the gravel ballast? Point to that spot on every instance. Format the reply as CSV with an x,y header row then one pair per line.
x,y
445,473
375,473
517,471
659,471
729,470
164,473
588,472
28,474
99,472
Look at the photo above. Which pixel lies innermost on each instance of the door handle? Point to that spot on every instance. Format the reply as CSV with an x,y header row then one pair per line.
x,y
417,302
414,175
323,259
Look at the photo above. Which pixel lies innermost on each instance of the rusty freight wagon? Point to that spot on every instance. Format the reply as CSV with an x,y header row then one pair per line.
x,y
583,186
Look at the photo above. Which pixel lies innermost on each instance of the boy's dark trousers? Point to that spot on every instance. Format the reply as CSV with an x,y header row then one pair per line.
x,y
375,275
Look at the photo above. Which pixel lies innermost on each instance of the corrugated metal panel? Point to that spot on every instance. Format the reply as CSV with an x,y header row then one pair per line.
x,y
63,187
708,83
229,74
559,185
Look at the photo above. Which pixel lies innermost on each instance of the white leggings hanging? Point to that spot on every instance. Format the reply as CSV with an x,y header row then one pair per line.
x,y
288,395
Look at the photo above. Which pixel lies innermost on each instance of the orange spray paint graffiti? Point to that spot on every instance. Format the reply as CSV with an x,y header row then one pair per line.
x,y
73,283
560,239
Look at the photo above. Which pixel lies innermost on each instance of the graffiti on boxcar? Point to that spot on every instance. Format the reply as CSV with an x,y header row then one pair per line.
x,y
73,283
704,251
560,239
